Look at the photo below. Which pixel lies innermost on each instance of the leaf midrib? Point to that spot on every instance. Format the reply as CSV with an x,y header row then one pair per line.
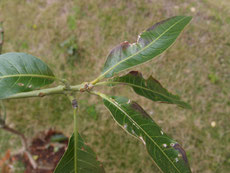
x,y
105,97
28,75
102,75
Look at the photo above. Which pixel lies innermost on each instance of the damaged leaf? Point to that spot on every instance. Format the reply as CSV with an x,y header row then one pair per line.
x,y
149,88
86,161
21,72
150,43
167,153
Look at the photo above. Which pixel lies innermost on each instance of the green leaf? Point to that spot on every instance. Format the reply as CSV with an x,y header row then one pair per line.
x,y
21,72
86,161
166,153
149,88
150,43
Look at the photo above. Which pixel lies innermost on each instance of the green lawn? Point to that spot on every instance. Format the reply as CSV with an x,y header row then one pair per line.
x,y
74,39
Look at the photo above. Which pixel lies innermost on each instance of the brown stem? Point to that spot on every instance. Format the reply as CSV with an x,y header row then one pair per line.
x,y
1,37
23,138
32,161
24,144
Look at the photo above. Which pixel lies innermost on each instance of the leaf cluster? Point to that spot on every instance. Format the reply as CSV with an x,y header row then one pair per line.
x,y
23,75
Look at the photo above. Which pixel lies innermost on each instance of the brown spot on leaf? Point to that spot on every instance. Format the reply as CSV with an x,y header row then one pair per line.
x,y
20,84
119,48
154,80
139,109
181,151
125,45
135,73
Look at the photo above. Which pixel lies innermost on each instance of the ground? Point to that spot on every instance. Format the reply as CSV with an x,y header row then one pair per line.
x,y
74,37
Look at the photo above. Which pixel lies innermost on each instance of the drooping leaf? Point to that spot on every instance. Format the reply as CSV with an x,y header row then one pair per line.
x,y
149,88
150,43
86,161
166,153
21,72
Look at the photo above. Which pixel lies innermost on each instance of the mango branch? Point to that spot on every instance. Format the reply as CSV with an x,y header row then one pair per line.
x,y
61,89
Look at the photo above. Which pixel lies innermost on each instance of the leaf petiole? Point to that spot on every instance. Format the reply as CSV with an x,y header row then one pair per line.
x,y
75,137
75,108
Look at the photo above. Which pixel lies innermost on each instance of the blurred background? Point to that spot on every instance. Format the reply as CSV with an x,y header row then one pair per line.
x,y
74,38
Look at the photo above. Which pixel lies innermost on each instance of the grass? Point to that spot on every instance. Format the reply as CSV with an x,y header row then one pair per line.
x,y
196,67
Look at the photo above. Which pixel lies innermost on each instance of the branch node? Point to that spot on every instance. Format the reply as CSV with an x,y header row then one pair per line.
x,y
74,103
87,87
41,94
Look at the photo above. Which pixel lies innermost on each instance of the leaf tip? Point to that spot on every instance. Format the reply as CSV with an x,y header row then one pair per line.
x,y
186,105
